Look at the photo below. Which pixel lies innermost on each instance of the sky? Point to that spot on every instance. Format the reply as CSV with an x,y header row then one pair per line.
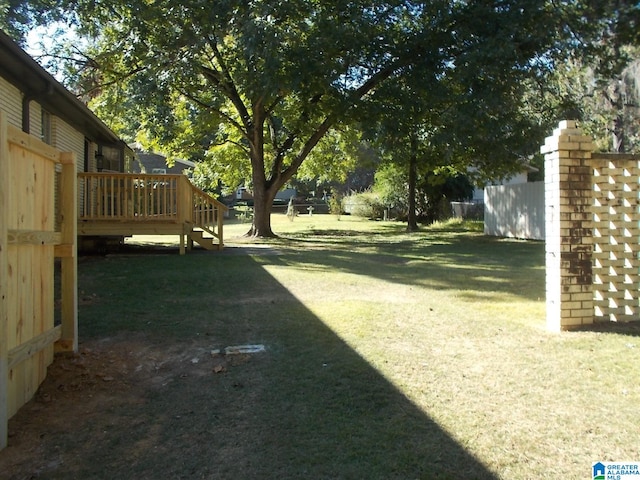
x,y
41,40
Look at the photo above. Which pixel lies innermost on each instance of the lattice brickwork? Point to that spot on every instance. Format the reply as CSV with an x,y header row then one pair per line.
x,y
615,237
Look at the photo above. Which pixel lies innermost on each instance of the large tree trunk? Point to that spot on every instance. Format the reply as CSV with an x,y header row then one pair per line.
x,y
412,223
262,204
263,191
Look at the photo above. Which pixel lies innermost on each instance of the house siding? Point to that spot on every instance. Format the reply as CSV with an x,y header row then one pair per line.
x,y
35,120
68,139
11,102
93,163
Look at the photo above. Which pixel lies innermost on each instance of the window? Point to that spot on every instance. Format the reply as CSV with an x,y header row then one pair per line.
x,y
110,159
45,126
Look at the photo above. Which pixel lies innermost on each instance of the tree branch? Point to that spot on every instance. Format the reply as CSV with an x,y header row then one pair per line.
x,y
329,122
229,87
273,132
119,78
274,104
224,115
291,138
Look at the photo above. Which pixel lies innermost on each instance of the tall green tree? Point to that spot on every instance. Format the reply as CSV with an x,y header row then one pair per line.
x,y
468,111
252,86
255,86
598,82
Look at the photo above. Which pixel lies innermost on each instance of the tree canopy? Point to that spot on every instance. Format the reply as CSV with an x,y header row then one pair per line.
x,y
254,87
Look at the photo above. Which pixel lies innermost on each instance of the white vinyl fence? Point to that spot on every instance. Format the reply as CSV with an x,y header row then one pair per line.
x,y
515,210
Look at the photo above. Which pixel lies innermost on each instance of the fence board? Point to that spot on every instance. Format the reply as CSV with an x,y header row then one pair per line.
x,y
28,245
31,309
4,293
515,210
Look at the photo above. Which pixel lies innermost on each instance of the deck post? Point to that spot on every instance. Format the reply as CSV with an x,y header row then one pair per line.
x,y
220,215
189,243
184,210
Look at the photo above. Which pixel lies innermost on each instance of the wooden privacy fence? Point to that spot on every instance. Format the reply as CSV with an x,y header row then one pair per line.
x,y
32,174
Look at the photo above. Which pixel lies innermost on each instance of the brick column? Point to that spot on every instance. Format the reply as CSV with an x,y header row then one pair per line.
x,y
568,223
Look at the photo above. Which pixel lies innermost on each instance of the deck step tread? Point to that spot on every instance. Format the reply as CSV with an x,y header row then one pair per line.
x,y
205,242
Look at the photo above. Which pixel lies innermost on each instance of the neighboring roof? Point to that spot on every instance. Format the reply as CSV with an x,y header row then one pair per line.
x,y
34,81
155,160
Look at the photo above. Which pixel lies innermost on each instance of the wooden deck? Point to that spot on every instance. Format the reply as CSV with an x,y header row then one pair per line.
x,y
140,204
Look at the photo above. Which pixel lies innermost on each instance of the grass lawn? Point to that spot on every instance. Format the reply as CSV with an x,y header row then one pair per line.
x,y
388,355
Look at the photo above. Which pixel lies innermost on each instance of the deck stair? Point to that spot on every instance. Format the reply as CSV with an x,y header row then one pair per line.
x,y
206,242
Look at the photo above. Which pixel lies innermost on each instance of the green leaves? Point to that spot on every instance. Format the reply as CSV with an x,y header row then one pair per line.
x,y
261,85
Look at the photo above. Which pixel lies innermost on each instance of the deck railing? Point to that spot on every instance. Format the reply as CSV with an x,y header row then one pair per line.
x,y
127,198
130,197
208,213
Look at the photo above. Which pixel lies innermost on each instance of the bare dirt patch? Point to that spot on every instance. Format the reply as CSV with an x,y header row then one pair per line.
x,y
87,392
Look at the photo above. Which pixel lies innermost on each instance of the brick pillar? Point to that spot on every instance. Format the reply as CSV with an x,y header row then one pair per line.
x,y
568,223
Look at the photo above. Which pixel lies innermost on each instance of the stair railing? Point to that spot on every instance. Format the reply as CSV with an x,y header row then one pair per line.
x,y
207,213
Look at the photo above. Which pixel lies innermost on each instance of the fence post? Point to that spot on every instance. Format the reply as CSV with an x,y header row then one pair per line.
x,y
568,223
69,261
4,259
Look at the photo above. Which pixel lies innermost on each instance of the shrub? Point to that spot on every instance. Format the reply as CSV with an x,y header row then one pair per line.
x,y
365,204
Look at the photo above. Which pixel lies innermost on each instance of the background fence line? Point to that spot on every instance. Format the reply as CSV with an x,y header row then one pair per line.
x,y
515,210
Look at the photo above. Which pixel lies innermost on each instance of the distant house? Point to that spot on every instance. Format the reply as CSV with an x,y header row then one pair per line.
x,y
38,104
156,163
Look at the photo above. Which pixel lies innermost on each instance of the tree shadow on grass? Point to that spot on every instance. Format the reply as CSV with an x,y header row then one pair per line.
x,y
472,262
443,259
309,407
